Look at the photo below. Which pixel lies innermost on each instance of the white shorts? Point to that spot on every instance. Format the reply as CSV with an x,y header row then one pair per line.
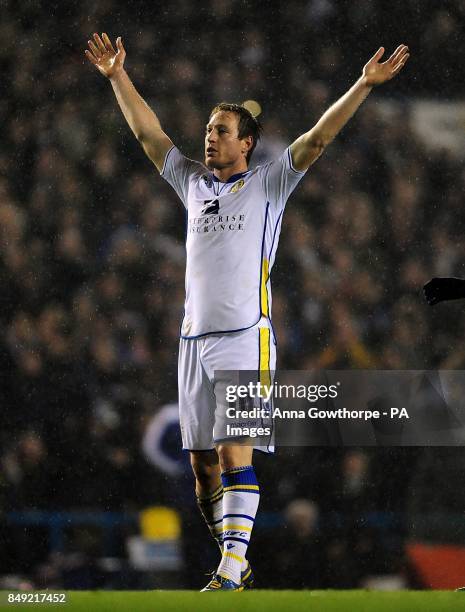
x,y
202,392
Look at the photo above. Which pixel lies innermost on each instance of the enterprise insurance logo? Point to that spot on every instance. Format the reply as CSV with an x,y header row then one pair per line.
x,y
210,207
211,220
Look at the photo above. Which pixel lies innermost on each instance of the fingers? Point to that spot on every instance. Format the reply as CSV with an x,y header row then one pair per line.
x,y
398,67
100,44
100,48
119,44
398,50
90,57
94,49
378,55
397,60
398,54
107,42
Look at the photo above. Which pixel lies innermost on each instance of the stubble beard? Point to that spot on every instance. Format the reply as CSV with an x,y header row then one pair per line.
x,y
214,165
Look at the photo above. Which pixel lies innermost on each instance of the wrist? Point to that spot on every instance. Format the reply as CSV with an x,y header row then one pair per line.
x,y
364,82
117,74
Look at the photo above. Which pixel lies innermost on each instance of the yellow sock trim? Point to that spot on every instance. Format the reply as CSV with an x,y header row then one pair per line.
x,y
233,556
238,527
240,486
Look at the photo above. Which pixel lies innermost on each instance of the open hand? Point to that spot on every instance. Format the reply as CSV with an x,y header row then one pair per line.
x,y
103,55
376,73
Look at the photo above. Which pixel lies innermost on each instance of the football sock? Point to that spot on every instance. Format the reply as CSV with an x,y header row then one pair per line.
x,y
211,508
240,503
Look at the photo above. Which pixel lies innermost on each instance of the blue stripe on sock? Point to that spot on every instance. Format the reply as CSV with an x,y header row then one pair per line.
x,y
241,515
243,491
236,540
245,476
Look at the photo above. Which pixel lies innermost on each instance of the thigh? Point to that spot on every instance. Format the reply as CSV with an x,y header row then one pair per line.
x,y
231,456
196,399
241,358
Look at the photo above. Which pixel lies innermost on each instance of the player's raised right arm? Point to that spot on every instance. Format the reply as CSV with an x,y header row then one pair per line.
x,y
141,119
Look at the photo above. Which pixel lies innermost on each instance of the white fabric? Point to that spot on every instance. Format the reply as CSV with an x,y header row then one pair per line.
x,y
201,388
237,502
231,228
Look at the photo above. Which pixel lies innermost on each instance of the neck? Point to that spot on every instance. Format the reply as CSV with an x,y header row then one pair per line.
x,y
223,174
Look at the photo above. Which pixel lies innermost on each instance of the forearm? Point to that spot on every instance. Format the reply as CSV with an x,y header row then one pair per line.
x,y
335,118
308,147
140,117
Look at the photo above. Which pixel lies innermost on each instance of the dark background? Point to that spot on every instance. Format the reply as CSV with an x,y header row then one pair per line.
x,y
92,268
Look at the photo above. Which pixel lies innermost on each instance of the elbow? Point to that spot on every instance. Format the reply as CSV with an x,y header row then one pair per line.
x,y
317,147
321,141
320,146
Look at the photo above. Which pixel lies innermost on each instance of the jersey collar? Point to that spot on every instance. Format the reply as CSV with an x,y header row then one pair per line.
x,y
231,179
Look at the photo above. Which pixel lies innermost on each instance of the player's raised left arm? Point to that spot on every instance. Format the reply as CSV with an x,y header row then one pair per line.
x,y
308,147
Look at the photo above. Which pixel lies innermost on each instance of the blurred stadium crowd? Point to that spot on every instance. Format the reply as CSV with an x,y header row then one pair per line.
x,y
92,254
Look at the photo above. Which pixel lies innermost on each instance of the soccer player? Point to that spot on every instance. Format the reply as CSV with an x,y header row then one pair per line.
x,y
443,289
233,223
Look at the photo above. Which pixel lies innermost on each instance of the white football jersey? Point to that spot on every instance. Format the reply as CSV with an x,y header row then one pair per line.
x,y
232,235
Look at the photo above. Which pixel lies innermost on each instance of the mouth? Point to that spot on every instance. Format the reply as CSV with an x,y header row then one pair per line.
x,y
210,151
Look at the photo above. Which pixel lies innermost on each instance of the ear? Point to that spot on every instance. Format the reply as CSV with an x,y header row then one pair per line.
x,y
248,141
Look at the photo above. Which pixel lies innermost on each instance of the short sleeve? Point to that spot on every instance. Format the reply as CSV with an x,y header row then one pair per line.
x,y
178,171
280,178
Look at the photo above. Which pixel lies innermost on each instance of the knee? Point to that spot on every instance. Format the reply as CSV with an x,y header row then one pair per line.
x,y
234,456
206,470
226,458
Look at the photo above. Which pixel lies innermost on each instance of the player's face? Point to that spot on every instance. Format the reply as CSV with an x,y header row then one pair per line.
x,y
223,148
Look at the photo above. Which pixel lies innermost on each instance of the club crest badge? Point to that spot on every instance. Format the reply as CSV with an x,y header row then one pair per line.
x,y
237,186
